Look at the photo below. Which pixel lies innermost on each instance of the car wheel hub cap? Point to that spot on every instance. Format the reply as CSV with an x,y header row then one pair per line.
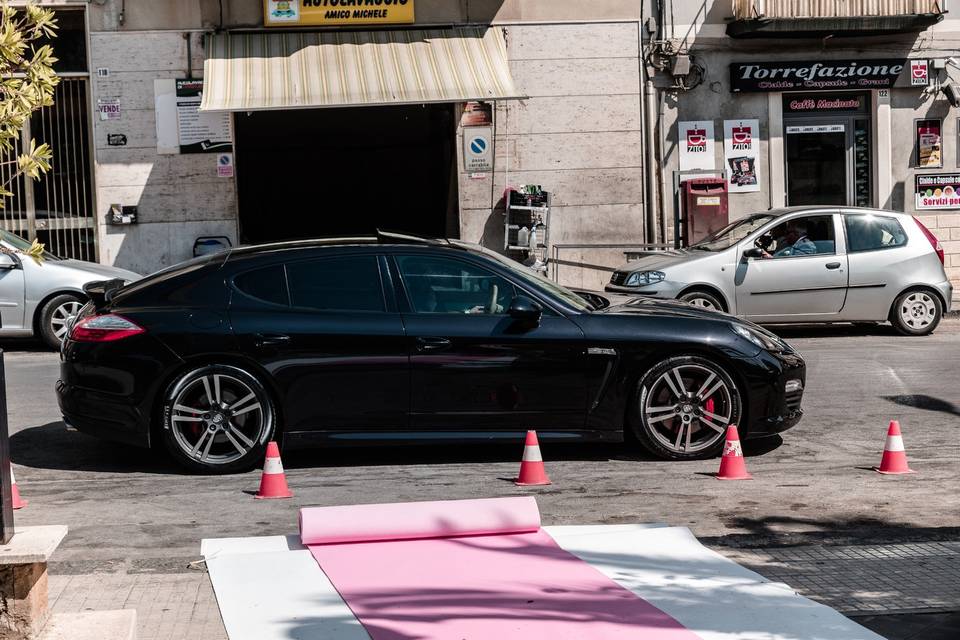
x,y
217,419
688,408
918,310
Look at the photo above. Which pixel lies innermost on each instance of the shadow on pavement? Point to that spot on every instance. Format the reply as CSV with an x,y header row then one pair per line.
x,y
24,345
922,401
52,446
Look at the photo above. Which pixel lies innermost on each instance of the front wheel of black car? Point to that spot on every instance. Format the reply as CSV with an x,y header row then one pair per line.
x,y
682,407
217,419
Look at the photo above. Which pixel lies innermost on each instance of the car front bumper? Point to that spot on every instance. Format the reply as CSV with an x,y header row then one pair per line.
x,y
776,395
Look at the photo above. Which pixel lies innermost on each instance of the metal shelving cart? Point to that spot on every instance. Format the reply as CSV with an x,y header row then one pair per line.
x,y
527,226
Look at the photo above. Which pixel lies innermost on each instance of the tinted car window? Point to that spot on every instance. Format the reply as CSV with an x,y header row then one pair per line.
x,y
443,285
349,283
869,232
268,284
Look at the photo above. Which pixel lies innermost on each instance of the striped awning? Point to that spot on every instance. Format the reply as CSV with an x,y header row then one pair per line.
x,y
253,71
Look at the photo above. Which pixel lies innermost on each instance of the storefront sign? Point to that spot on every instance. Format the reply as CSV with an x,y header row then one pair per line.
x,y
199,132
829,104
478,149
835,74
696,145
928,144
919,74
741,149
109,108
297,13
938,191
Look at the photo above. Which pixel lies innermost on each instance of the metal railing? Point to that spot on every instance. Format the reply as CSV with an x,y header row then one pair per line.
x,y
624,251
754,9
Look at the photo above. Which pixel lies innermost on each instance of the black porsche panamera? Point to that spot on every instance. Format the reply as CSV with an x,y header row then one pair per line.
x,y
392,339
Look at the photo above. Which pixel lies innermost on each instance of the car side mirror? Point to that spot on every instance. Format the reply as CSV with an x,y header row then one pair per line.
x,y
526,310
753,252
7,262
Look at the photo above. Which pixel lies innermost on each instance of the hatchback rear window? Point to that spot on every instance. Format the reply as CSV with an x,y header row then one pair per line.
x,y
869,233
349,283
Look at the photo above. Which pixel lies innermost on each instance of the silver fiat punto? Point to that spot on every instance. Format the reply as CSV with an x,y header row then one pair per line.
x,y
806,264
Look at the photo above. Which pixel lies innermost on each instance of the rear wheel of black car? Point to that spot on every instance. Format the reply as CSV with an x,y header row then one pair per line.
x,y
217,419
682,407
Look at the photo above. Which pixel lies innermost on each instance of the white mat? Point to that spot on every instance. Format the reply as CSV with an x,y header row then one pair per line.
x,y
269,588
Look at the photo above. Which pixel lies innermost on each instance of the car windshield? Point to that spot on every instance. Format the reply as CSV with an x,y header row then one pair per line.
x,y
532,277
733,233
20,244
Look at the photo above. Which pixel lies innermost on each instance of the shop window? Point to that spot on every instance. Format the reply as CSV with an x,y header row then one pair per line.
x,y
442,285
870,232
266,285
806,236
350,283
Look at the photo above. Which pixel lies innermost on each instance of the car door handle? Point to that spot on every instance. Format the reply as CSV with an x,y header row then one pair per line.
x,y
432,344
833,265
264,339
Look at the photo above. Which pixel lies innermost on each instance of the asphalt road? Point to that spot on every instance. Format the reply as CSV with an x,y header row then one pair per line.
x,y
134,510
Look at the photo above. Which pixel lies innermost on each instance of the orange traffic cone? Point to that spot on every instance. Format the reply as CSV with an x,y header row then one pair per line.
x,y
273,482
17,502
894,459
732,466
532,471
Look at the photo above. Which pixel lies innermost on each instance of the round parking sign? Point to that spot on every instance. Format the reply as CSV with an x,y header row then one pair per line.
x,y
478,145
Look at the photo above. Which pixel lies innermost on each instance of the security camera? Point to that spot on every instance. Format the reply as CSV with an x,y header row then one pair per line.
x,y
952,91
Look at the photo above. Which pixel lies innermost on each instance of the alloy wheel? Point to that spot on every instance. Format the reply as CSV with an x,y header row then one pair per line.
x,y
918,310
60,318
216,419
688,408
703,303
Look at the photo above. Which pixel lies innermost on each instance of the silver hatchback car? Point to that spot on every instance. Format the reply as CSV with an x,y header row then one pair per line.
x,y
806,264
37,298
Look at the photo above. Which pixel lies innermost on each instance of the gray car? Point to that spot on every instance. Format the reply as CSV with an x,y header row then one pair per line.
x,y
806,264
37,298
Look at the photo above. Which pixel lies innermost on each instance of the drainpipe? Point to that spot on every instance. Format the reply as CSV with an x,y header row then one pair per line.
x,y
650,161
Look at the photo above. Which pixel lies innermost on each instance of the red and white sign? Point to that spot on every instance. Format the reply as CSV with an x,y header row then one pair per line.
x,y
696,145
741,150
919,73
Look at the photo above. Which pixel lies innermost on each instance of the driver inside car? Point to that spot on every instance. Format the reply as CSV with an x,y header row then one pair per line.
x,y
794,243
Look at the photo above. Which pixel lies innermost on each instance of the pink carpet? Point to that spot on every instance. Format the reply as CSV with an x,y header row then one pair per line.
x,y
471,570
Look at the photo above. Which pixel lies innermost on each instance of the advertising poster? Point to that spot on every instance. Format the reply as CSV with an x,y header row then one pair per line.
x,y
741,151
696,145
929,145
937,191
200,132
294,13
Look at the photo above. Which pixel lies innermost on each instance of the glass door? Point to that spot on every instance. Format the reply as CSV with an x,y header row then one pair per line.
x,y
818,155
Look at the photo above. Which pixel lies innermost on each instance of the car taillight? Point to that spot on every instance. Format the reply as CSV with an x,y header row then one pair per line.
x,y
105,328
932,239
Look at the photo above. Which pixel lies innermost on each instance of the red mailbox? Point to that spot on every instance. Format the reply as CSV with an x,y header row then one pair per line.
x,y
705,208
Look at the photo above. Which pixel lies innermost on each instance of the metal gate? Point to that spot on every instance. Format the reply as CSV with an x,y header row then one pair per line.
x,y
58,208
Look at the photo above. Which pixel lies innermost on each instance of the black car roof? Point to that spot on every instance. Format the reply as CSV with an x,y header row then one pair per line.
x,y
382,239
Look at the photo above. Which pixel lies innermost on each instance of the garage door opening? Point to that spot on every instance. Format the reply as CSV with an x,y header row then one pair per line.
x,y
346,171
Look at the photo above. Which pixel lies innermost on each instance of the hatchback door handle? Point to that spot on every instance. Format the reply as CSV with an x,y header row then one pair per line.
x,y
432,344
264,339
833,265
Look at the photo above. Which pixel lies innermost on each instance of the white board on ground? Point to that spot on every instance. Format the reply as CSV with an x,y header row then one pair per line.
x,y
709,594
279,595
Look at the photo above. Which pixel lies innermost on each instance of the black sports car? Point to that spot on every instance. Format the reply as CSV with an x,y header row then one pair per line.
x,y
396,339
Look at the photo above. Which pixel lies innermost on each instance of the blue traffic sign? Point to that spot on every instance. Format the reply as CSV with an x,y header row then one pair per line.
x,y
478,145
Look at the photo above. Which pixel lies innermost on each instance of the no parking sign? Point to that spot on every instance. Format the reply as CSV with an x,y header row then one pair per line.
x,y
478,149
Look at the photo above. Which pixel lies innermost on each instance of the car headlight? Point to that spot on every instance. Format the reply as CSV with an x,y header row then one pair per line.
x,y
759,338
644,278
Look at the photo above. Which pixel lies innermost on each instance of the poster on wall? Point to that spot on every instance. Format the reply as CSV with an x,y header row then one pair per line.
x,y
928,144
200,132
696,145
937,191
741,151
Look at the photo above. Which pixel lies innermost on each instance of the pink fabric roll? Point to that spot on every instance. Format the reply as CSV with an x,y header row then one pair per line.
x,y
471,570
418,520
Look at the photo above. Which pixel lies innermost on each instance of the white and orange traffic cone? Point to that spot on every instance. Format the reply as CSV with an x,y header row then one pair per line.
x,y
732,465
532,471
15,492
273,482
894,460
